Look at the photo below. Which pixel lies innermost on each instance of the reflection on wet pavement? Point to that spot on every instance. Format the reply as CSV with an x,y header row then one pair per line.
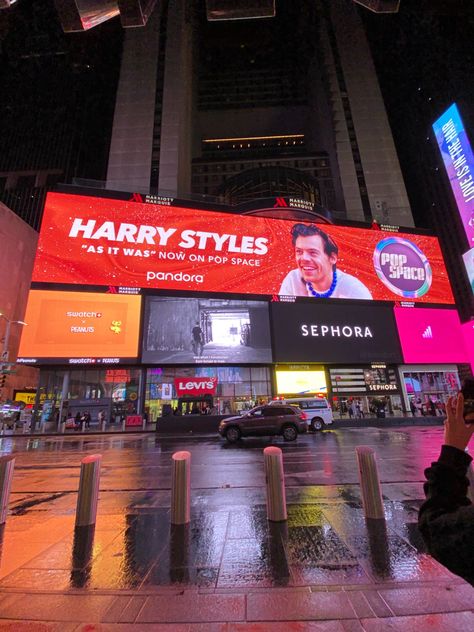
x,y
229,543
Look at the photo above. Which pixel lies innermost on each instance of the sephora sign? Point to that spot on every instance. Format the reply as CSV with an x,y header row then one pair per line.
x,y
360,333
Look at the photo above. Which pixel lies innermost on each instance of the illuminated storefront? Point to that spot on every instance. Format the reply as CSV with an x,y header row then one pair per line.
x,y
181,311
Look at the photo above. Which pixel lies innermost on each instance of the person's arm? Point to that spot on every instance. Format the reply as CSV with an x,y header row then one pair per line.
x,y
446,518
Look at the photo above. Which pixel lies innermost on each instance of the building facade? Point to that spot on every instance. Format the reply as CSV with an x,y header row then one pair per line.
x,y
145,306
200,102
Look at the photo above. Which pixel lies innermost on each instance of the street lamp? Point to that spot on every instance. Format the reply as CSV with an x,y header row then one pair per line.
x,y
6,339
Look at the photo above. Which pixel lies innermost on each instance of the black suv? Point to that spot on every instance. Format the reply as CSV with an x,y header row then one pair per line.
x,y
287,421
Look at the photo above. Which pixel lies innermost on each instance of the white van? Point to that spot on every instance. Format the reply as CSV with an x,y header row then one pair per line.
x,y
317,410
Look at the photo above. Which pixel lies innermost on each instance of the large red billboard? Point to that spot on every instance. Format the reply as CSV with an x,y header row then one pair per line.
x,y
99,241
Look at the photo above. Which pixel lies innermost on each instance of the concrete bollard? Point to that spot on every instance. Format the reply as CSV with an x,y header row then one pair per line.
x,y
83,426
275,481
369,483
181,488
7,464
62,427
144,424
103,425
123,425
86,510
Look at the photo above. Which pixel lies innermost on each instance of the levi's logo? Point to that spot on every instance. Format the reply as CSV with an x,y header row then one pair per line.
x,y
195,385
191,385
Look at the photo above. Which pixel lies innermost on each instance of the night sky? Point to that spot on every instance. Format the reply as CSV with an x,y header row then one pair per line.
x,y
423,55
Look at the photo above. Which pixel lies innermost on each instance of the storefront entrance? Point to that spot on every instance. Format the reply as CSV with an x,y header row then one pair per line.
x,y
426,388
370,391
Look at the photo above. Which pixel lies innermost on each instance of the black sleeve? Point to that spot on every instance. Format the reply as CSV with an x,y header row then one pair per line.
x,y
446,518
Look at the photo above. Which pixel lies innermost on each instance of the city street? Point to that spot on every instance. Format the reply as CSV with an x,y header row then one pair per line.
x,y
230,564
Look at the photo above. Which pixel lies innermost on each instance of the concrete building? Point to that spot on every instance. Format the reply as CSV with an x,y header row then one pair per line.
x,y
200,104
17,254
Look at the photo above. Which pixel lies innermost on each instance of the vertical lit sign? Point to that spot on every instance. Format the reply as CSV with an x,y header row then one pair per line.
x,y
458,160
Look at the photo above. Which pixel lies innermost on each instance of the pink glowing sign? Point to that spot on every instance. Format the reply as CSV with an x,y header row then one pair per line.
x,y
468,335
430,335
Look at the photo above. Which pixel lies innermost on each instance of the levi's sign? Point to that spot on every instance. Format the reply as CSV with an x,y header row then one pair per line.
x,y
303,332
101,241
195,385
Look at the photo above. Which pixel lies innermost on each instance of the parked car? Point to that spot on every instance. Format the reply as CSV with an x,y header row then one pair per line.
x,y
287,421
317,410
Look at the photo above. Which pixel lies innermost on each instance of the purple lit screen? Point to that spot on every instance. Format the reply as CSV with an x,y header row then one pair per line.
x,y
458,160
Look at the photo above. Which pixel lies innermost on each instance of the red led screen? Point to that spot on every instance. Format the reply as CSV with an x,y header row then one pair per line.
x,y
98,241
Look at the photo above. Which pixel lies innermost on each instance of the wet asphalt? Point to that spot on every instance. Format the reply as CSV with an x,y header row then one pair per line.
x,y
229,543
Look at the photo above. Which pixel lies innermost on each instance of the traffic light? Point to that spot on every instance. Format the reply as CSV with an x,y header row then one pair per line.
x,y
3,379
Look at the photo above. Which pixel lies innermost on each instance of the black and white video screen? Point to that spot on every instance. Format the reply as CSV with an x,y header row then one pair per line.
x,y
203,330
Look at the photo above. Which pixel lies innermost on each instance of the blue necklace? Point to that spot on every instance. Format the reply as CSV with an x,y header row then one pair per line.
x,y
326,294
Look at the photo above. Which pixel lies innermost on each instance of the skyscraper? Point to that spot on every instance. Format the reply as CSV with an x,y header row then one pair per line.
x,y
236,110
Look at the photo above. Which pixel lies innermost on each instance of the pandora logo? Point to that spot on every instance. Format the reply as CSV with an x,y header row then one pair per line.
x,y
336,331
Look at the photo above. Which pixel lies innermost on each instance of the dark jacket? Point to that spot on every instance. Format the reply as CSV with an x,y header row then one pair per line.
x,y
446,518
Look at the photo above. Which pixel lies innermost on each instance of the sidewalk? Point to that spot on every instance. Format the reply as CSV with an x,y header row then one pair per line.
x,y
326,570
367,422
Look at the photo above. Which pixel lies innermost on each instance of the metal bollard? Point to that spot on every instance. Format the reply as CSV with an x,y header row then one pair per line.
x,y
123,425
14,428
86,510
62,427
369,483
25,427
2,429
275,481
103,425
43,428
7,464
181,488
83,426
144,424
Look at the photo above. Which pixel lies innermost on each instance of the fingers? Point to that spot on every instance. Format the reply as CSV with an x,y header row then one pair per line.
x,y
450,412
460,407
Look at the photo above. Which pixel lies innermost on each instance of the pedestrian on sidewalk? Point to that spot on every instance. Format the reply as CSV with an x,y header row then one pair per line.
x,y
446,518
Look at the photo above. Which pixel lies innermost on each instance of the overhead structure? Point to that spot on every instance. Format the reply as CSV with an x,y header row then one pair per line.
x,y
239,9
380,6
82,15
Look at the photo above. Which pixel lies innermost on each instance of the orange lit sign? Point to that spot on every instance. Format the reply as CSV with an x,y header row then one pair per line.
x,y
80,327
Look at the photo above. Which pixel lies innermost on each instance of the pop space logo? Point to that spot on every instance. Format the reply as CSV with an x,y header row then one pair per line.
x,y
402,267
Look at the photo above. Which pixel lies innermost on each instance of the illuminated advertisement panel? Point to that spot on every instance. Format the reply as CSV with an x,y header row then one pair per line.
x,y
300,382
80,328
361,333
458,160
430,335
192,330
100,241
468,258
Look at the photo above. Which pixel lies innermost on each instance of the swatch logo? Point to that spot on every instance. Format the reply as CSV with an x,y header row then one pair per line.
x,y
402,267
428,333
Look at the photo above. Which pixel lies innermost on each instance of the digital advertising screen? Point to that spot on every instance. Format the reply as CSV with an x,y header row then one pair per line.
x,y
468,258
194,330
361,333
301,382
458,159
468,336
430,335
80,328
99,241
